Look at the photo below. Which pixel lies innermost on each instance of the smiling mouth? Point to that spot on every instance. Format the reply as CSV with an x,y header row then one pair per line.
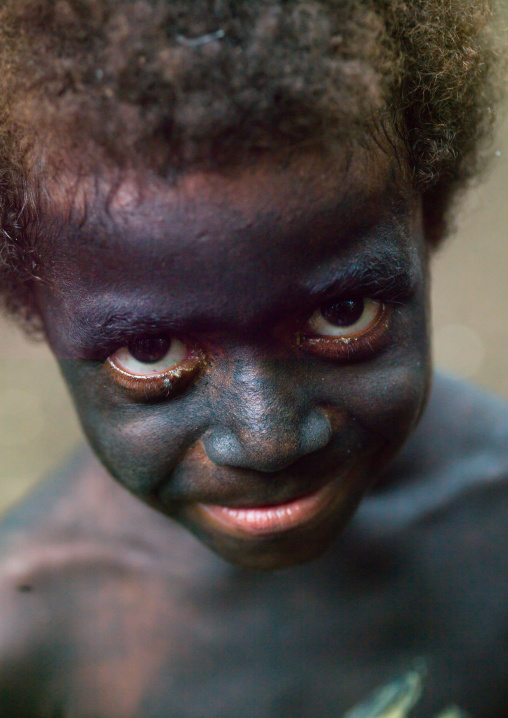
x,y
274,519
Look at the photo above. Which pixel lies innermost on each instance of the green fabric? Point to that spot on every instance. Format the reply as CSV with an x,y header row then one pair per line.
x,y
396,699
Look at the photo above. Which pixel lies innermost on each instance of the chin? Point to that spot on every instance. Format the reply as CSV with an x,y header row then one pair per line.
x,y
274,552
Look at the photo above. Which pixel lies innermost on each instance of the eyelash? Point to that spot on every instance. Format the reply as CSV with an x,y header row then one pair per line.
x,y
173,381
157,387
355,348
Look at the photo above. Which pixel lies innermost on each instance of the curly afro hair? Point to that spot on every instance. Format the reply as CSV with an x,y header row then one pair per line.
x,y
172,84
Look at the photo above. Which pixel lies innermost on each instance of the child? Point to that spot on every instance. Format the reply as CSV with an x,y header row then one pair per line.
x,y
220,216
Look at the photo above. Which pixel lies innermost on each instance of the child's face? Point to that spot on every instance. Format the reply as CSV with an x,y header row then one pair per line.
x,y
267,339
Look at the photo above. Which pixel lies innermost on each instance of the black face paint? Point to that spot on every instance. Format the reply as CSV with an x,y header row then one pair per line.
x,y
247,351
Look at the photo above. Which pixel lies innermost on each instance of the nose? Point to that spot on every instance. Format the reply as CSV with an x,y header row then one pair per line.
x,y
267,422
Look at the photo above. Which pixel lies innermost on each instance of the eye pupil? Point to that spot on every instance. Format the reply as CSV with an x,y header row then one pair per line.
x,y
149,349
344,313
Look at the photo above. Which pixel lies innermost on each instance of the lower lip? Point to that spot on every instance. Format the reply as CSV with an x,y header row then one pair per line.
x,y
271,520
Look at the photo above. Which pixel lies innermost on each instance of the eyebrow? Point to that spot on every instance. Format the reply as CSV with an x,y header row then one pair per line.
x,y
104,324
391,276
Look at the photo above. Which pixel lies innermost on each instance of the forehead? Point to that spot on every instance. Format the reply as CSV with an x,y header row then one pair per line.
x,y
246,237
130,210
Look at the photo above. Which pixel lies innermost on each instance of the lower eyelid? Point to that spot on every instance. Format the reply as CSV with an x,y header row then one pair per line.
x,y
362,346
153,387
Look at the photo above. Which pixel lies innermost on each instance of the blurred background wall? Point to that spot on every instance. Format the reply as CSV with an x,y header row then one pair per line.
x,y
470,297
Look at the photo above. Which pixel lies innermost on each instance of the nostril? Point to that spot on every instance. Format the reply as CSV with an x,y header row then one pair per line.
x,y
223,448
269,451
315,433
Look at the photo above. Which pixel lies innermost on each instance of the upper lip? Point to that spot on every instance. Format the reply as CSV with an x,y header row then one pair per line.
x,y
196,479
244,488
250,503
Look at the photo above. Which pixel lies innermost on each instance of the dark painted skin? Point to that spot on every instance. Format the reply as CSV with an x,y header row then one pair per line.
x,y
235,265
110,608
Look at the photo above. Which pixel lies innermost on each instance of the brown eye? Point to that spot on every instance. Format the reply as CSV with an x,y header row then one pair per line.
x,y
345,318
346,329
154,367
149,350
344,313
150,355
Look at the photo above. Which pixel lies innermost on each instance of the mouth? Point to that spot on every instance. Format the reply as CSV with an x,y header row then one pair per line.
x,y
270,520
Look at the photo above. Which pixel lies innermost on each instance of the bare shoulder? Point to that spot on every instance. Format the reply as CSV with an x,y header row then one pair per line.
x,y
78,559
77,517
457,455
431,540
80,522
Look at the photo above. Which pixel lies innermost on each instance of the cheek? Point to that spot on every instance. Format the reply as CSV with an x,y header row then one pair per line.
x,y
138,443
391,401
386,396
395,394
383,405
